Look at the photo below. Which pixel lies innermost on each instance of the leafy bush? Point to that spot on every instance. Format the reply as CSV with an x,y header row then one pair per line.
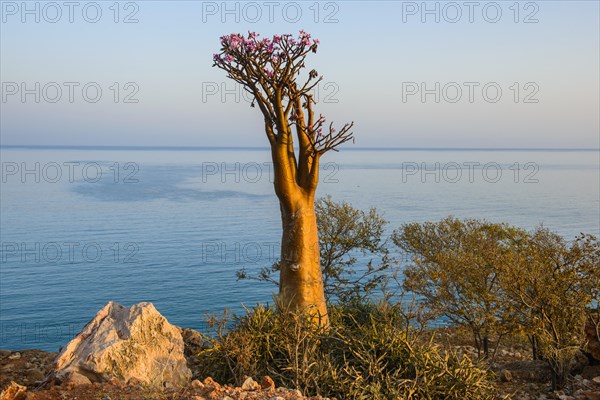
x,y
455,269
370,351
554,286
497,279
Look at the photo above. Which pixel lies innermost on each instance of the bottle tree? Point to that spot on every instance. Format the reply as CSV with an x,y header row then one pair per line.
x,y
271,70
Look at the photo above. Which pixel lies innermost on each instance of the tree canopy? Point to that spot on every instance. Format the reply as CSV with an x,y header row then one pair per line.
x,y
269,69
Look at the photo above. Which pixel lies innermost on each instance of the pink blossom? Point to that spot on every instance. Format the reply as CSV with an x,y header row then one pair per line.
x,y
274,50
304,38
250,46
234,41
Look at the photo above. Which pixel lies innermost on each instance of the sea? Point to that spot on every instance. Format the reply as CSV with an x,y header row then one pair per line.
x,y
81,226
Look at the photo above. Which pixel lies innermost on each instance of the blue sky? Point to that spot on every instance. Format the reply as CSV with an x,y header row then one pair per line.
x,y
376,58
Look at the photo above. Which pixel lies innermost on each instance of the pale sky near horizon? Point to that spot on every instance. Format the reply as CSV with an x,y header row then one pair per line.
x,y
376,57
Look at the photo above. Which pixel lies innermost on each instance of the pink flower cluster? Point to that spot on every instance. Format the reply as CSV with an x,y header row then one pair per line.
x,y
250,44
304,39
237,46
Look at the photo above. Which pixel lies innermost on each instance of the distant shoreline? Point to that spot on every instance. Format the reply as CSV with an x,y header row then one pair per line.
x,y
249,148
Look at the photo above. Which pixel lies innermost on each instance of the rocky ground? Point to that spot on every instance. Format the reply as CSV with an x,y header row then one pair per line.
x,y
518,377
197,390
22,376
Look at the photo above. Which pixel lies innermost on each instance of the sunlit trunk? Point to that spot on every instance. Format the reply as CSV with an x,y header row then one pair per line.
x,y
300,281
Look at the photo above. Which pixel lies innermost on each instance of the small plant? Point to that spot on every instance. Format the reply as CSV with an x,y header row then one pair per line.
x,y
370,351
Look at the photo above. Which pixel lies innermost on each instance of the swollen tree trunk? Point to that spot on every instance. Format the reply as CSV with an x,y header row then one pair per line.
x,y
301,282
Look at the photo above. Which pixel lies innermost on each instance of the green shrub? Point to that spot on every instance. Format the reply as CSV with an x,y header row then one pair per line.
x,y
370,352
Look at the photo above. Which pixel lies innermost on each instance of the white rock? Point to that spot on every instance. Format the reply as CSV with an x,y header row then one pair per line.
x,y
125,343
250,384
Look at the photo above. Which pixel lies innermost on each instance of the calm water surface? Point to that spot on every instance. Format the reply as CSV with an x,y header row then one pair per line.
x,y
80,227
